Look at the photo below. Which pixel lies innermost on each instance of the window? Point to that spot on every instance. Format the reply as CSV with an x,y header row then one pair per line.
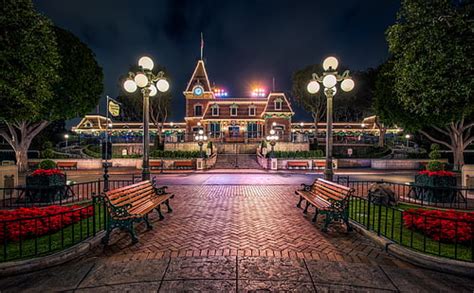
x,y
252,111
215,128
252,130
198,110
215,110
278,104
233,110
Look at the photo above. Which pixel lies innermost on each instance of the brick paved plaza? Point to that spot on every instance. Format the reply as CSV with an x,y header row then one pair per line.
x,y
226,238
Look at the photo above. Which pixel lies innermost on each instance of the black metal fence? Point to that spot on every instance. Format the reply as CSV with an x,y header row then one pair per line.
x,y
441,197
27,237
432,233
24,196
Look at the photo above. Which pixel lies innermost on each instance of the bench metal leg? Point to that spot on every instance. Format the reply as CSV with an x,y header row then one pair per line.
x,y
315,216
299,203
346,221
167,203
306,208
327,221
158,209
131,229
147,222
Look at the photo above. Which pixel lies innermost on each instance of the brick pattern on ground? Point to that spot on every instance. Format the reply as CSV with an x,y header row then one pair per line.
x,y
243,220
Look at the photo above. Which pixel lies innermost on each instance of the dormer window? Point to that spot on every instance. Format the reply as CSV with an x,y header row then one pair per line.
x,y
252,110
233,110
278,104
215,110
198,110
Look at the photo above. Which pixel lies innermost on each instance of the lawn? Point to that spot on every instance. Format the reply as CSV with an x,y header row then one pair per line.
x,y
389,223
66,237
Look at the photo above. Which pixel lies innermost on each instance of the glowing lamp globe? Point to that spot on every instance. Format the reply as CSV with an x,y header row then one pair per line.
x,y
141,80
146,63
276,137
130,86
313,87
330,63
268,137
201,131
205,137
347,85
153,91
272,132
329,81
162,85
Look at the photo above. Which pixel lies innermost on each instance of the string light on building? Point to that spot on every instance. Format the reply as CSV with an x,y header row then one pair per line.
x,y
220,92
258,92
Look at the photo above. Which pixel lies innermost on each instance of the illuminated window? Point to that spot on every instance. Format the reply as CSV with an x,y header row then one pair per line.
x,y
215,110
233,110
198,110
278,104
252,110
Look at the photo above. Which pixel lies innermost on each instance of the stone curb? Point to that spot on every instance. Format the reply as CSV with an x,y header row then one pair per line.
x,y
29,265
440,264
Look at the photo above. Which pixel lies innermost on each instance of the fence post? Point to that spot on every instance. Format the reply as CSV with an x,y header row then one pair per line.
x,y
379,220
369,200
94,201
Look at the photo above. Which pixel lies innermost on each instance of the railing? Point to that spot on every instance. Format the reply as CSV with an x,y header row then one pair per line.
x,y
410,193
450,237
74,193
41,235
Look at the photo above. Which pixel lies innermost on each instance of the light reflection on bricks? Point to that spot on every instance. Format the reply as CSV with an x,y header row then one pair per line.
x,y
243,220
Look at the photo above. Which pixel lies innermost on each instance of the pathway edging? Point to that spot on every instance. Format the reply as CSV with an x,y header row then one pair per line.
x,y
419,259
39,263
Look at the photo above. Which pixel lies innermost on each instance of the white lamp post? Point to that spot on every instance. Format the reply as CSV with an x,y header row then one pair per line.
x,y
272,139
200,138
329,80
66,137
408,139
149,84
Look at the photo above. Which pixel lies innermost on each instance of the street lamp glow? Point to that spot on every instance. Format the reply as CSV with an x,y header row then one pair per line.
x,y
201,132
301,124
407,136
153,90
130,86
66,136
272,132
329,81
313,87
162,85
330,63
141,80
274,124
347,85
146,63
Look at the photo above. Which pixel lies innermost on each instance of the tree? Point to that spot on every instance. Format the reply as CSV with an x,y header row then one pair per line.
x,y
47,74
432,49
315,104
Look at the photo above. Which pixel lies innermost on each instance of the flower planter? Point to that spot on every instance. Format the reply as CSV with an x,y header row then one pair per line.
x,y
435,187
45,186
46,181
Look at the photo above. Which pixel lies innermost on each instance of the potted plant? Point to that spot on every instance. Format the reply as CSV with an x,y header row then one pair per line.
x,y
46,176
435,184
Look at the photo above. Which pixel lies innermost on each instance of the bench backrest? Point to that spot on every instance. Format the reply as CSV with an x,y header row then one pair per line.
x,y
133,195
330,191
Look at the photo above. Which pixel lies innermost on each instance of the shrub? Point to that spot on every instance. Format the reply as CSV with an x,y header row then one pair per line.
x,y
444,226
420,154
434,165
47,165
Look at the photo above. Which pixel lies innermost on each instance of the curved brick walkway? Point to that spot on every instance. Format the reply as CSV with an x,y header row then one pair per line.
x,y
243,220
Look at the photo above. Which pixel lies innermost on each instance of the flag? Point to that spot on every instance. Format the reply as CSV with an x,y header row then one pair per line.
x,y
202,44
114,108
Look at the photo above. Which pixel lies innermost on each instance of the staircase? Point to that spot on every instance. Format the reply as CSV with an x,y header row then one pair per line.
x,y
234,161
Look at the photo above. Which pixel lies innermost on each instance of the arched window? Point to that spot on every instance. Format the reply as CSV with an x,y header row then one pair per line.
x,y
252,110
215,110
233,110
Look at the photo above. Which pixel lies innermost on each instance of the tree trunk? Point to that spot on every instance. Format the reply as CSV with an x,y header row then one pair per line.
x,y
19,136
458,158
382,132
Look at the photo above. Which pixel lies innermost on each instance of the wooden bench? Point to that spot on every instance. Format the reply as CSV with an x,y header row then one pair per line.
x,y
131,204
67,165
154,165
297,164
328,198
183,164
319,164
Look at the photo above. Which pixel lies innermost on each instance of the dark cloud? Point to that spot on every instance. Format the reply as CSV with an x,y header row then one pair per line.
x,y
245,41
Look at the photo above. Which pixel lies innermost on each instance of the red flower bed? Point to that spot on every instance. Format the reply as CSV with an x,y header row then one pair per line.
x,y
441,225
436,173
39,221
44,172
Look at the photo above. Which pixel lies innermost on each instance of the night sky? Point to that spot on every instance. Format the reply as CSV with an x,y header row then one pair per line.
x,y
245,42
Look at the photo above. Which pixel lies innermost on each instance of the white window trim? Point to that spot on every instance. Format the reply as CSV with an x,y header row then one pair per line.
x,y
252,109
280,103
215,108
236,110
